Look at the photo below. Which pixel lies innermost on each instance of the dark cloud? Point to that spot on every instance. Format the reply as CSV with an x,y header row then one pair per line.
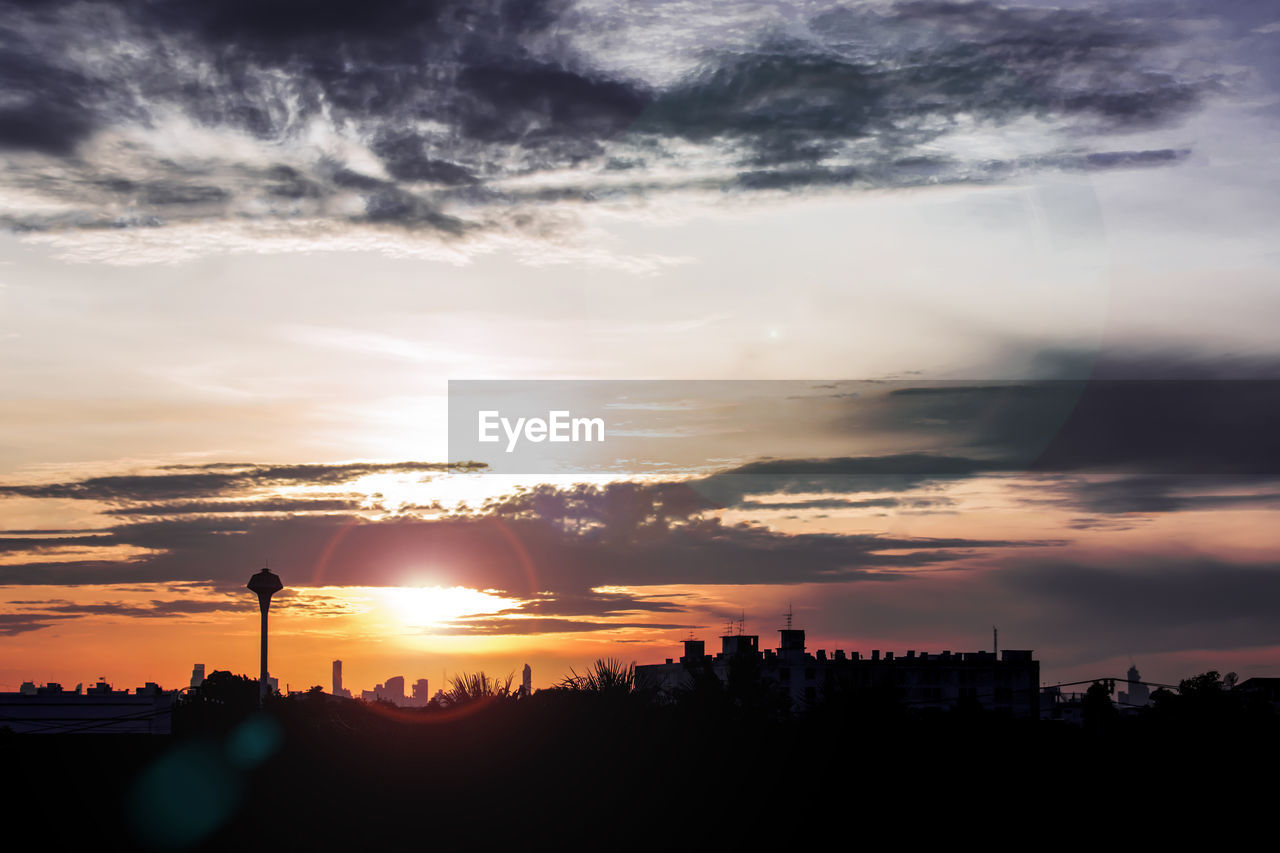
x,y
161,193
213,480
617,507
40,110
1114,159
233,507
454,98
284,29
406,160
895,472
544,625
156,609
522,556
556,112
908,465
1167,425
1203,430
12,624
1174,426
1073,607
37,614
848,503
1165,493
892,80
50,542
1149,603
1130,411
52,531
594,604
1183,415
1100,523
1136,362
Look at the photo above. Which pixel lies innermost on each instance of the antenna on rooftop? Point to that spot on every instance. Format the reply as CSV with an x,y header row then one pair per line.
x,y
995,640
742,623
788,615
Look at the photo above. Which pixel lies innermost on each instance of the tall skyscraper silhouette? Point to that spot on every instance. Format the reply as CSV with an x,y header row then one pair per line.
x,y
1138,693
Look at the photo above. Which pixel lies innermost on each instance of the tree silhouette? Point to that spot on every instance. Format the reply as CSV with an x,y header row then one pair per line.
x,y
221,687
1205,700
1205,685
218,703
476,686
607,676
1097,709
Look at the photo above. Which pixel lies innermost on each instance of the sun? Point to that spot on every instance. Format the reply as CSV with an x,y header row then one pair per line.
x,y
432,606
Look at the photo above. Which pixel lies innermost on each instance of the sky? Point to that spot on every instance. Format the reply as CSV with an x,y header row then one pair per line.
x,y
248,245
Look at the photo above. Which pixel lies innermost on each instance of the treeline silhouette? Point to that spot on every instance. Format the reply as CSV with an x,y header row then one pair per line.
x,y
601,762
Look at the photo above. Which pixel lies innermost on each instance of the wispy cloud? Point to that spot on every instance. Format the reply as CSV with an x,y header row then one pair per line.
x,y
454,120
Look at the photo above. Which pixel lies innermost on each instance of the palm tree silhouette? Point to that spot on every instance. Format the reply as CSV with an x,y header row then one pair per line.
x,y
476,686
605,676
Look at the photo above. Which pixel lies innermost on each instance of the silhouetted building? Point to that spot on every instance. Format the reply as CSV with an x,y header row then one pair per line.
x,y
1008,683
1138,693
1264,689
338,689
526,681
197,675
98,710
1060,705
393,691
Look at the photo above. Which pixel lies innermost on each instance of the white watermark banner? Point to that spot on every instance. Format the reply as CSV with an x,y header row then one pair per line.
x,y
909,428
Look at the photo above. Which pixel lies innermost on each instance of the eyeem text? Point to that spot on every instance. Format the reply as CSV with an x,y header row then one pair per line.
x,y
558,426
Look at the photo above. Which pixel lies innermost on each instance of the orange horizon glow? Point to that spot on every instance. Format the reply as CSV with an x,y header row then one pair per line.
x,y
429,625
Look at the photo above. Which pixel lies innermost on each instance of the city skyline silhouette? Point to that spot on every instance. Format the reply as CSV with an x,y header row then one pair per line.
x,y
642,424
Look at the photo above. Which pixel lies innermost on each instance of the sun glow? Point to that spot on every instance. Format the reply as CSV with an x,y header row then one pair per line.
x,y
431,606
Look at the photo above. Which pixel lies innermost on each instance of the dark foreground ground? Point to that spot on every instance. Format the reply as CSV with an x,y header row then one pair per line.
x,y
564,770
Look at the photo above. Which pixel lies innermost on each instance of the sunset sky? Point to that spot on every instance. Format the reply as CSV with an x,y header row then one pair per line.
x,y
249,243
